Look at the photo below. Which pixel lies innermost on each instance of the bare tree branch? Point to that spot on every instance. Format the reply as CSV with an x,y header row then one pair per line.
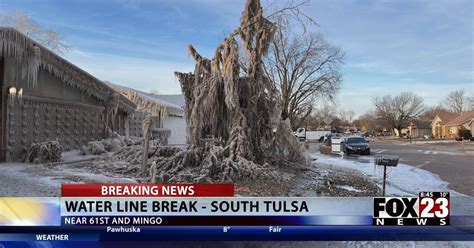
x,y
49,38
304,68
399,111
457,101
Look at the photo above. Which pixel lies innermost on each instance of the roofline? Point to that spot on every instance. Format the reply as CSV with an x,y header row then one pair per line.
x,y
58,66
144,96
461,122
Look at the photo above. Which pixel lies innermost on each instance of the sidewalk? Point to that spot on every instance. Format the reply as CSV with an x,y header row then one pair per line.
x,y
468,147
418,141
432,141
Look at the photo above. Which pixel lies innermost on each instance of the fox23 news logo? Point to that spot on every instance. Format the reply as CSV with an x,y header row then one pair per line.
x,y
429,209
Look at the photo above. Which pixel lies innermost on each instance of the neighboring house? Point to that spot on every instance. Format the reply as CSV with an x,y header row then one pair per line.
x,y
167,111
45,97
438,127
463,120
422,128
175,122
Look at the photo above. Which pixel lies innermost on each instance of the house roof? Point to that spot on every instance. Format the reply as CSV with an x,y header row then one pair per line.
x,y
32,56
461,118
177,99
422,124
445,117
150,102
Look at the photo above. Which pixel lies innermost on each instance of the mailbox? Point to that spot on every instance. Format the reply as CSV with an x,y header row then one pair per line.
x,y
386,160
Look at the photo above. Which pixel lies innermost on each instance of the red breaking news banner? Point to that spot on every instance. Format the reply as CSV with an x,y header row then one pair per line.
x,y
143,190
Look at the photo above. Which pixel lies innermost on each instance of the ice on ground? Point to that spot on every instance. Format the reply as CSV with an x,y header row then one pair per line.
x,y
349,188
40,180
75,155
402,180
71,155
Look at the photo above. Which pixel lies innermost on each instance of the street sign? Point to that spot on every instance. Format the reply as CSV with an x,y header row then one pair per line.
x,y
413,126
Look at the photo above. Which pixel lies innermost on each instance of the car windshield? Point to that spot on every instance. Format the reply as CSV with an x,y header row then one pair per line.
x,y
355,140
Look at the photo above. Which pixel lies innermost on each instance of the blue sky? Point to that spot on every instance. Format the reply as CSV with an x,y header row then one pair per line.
x,y
424,46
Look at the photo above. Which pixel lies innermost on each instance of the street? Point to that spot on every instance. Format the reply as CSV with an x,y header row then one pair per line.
x,y
446,160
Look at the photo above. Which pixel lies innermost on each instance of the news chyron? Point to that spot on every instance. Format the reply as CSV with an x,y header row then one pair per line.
x,y
428,209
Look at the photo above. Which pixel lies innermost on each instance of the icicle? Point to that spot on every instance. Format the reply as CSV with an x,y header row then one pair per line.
x,y
33,66
20,94
30,57
147,123
12,95
119,123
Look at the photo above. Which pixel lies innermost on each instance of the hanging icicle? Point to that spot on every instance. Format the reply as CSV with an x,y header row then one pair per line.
x,y
20,94
33,65
31,57
146,103
12,95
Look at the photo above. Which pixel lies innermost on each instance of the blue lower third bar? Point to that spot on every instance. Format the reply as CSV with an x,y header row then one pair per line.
x,y
295,233
240,233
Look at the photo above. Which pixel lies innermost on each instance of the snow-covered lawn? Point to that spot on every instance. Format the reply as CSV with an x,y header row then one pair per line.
x,y
403,180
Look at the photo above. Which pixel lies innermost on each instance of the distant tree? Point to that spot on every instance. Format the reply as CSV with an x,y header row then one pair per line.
x,y
312,122
49,38
347,116
317,117
457,101
370,121
431,112
326,109
336,124
357,123
399,111
304,68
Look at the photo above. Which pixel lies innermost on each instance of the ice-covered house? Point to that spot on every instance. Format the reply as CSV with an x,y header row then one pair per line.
x,y
167,112
45,97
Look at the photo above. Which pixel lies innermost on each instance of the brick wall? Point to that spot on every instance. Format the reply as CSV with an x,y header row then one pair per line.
x,y
37,119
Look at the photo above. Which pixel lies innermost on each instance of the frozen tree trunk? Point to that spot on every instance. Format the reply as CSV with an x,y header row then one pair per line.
x,y
233,121
147,122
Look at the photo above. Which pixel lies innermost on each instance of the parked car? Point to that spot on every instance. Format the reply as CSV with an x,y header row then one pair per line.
x,y
356,145
384,133
368,134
